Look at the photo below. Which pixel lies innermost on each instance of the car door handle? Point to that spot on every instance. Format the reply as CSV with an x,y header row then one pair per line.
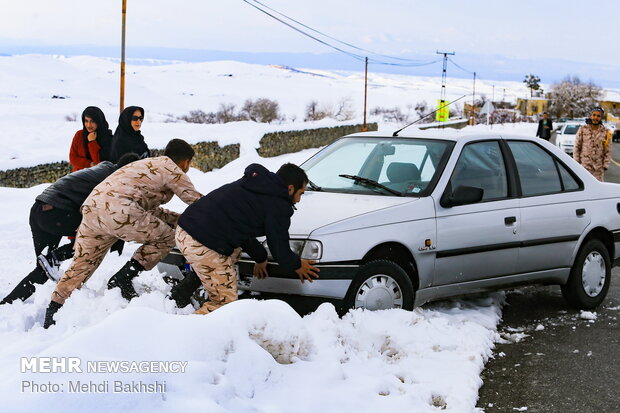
x,y
510,220
580,211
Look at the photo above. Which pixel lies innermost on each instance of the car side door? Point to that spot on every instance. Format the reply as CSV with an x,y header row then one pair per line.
x,y
478,240
554,210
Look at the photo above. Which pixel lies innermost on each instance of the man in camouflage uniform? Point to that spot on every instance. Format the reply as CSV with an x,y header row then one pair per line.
x,y
593,145
126,206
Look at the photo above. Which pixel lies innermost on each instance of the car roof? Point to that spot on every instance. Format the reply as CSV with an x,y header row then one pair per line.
x,y
449,134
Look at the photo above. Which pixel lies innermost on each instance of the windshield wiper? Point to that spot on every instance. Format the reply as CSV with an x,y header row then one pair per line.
x,y
371,183
313,186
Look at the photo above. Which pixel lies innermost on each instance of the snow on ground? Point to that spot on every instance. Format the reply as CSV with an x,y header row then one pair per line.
x,y
250,356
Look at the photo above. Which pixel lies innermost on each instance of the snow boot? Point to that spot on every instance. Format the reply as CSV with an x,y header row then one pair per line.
x,y
49,314
183,291
123,279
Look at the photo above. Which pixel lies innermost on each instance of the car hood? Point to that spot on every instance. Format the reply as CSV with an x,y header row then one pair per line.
x,y
318,209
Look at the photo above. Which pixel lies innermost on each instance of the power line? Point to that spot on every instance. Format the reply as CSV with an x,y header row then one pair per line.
x,y
353,55
339,41
410,62
460,67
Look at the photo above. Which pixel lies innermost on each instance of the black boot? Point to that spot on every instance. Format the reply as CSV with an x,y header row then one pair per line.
x,y
182,292
122,279
49,314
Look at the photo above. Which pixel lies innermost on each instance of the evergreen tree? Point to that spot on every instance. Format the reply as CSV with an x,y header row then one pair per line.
x,y
532,82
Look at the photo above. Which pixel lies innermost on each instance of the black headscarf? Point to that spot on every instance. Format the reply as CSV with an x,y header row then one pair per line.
x,y
126,139
104,134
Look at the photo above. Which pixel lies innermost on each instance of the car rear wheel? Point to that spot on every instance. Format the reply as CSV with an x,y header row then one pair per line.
x,y
380,285
589,277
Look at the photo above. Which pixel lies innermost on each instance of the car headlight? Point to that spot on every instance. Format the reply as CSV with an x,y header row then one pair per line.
x,y
307,249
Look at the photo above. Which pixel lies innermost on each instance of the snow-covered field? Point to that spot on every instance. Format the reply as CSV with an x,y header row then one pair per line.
x,y
252,355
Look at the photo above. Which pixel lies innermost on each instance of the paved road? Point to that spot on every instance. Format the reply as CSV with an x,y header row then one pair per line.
x,y
568,362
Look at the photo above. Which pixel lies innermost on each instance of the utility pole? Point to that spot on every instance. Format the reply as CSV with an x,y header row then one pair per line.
x,y
444,73
473,103
364,129
442,99
122,103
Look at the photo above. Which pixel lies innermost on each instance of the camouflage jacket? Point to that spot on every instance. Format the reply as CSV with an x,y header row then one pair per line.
x,y
593,148
142,186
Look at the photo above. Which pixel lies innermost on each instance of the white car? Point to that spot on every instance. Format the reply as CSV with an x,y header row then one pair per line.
x,y
565,137
397,221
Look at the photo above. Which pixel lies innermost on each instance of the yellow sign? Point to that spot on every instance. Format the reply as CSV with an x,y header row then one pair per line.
x,y
443,112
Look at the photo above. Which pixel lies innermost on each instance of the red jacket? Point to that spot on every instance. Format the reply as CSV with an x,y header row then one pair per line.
x,y
78,156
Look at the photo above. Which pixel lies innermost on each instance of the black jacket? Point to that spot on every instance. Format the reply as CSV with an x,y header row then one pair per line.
x,y
235,214
544,133
126,139
70,191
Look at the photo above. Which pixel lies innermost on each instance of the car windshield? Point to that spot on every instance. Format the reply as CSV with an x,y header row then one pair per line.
x,y
386,166
571,129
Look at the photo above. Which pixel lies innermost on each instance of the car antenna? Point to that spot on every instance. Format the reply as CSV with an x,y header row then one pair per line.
x,y
430,113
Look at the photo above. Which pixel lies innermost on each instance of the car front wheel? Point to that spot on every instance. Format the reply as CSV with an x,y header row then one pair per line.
x,y
589,277
380,285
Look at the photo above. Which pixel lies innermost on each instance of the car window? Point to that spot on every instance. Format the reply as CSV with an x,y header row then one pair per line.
x,y
481,165
537,169
403,164
569,182
571,129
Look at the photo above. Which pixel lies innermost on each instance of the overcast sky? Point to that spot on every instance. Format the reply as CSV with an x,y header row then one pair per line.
x,y
562,29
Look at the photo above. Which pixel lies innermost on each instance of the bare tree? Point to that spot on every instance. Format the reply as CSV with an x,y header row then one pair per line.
x,y
262,110
313,112
345,109
573,98
226,113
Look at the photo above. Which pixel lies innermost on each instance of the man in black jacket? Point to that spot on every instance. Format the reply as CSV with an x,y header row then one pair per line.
x,y
213,230
545,126
56,213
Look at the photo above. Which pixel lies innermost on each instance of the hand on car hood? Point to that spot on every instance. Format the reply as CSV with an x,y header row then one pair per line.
x,y
318,209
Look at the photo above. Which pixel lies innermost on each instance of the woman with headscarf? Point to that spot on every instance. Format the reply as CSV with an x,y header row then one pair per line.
x,y
127,137
91,144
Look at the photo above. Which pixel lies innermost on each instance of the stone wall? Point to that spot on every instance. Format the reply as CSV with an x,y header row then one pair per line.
x,y
35,175
209,155
279,143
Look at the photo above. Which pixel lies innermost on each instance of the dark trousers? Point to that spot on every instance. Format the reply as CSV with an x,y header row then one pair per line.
x,y
48,225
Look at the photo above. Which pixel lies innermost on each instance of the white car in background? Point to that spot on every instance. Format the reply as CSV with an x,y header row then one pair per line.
x,y
565,137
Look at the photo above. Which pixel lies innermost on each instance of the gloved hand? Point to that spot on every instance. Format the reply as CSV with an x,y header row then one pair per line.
x,y
49,314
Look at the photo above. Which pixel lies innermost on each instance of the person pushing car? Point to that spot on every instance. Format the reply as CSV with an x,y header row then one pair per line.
x,y
213,230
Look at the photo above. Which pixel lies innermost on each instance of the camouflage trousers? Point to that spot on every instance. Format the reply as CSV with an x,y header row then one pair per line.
x,y
217,272
100,229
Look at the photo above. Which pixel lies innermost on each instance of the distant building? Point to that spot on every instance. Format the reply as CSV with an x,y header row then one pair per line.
x,y
532,106
611,108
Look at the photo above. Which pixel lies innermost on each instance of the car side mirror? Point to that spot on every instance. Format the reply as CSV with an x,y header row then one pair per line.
x,y
462,195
